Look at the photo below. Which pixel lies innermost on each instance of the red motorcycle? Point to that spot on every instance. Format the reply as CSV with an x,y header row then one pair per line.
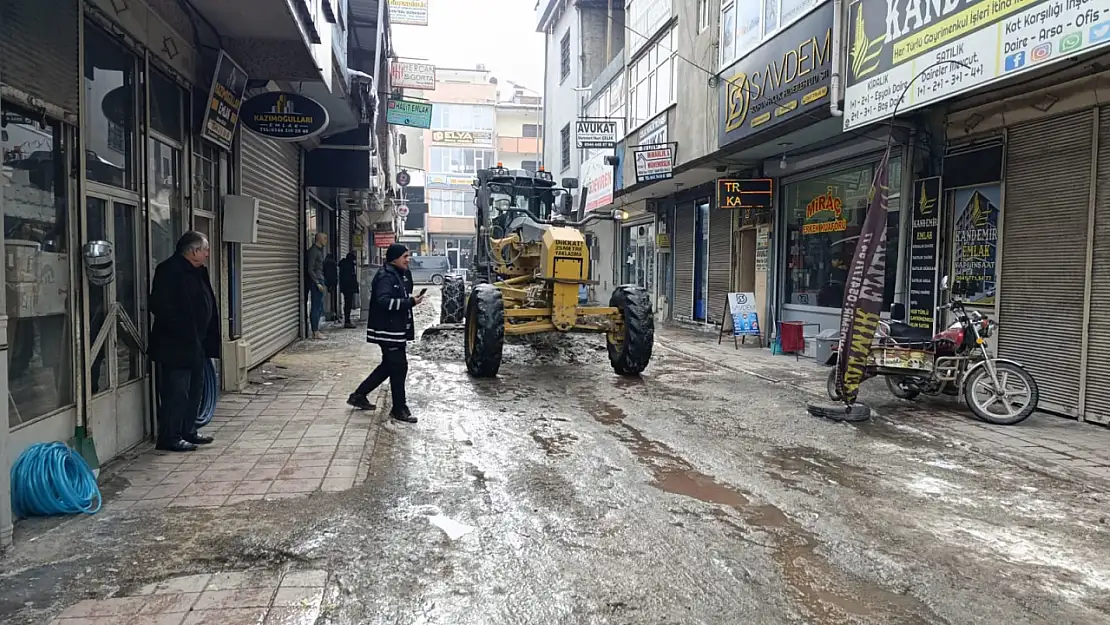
x,y
953,362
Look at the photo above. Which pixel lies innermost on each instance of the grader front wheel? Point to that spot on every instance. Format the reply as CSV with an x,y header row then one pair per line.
x,y
630,348
484,331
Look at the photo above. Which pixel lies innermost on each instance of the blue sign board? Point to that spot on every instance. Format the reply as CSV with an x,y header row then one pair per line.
x,y
408,113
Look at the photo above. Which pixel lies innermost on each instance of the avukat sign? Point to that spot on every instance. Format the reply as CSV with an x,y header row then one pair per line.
x,y
863,294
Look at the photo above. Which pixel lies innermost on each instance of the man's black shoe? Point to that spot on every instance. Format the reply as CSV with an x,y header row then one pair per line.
x,y
349,325
403,415
199,439
176,446
408,413
359,401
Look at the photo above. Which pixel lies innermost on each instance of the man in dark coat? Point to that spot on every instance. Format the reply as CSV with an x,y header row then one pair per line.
x,y
186,332
348,286
390,327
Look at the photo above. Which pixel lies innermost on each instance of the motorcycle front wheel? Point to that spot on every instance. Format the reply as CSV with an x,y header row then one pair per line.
x,y
1012,403
830,386
899,388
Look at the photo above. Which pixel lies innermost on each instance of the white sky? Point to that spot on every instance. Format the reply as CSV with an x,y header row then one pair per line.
x,y
463,33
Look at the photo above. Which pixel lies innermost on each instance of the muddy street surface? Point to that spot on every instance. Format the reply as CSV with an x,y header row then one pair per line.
x,y
562,493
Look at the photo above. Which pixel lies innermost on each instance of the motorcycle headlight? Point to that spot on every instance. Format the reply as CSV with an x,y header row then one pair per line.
x,y
985,327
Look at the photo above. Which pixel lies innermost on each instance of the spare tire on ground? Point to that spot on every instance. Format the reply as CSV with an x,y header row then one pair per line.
x,y
484,336
630,349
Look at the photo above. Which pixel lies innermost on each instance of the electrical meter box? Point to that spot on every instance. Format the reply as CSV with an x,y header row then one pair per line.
x,y
240,219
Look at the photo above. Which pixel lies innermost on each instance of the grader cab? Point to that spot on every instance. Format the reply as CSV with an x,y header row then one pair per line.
x,y
526,269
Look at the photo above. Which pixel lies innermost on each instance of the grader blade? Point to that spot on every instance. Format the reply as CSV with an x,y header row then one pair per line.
x,y
442,327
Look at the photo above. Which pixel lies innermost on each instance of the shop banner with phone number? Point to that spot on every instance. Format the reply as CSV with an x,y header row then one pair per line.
x,y
863,297
959,46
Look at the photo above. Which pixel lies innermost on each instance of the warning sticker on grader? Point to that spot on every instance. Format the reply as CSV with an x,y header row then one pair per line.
x,y
569,249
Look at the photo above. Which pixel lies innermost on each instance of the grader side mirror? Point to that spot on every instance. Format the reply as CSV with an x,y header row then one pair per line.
x,y
570,183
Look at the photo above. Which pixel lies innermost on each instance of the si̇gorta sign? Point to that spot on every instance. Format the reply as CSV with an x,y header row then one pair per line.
x,y
960,44
784,78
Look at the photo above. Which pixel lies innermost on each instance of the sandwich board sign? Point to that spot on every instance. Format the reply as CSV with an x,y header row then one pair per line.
x,y
740,319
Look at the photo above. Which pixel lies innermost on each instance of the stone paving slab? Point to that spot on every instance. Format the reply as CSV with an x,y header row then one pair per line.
x,y
1056,445
230,598
285,445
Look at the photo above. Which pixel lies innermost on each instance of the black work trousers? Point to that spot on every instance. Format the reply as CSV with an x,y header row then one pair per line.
x,y
180,392
349,299
394,367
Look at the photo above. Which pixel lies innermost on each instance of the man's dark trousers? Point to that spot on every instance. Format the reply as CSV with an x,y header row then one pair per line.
x,y
349,305
180,392
394,367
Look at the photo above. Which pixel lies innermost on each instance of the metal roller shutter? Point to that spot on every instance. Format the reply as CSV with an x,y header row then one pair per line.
x,y
1041,301
1097,395
38,49
683,262
344,232
720,262
272,274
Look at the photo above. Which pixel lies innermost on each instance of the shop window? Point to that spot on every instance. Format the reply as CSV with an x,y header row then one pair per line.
x,y
824,217
703,14
165,106
109,102
167,217
206,177
529,165
36,274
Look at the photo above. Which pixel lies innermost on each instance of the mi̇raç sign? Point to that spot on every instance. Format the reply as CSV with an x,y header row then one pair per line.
x,y
962,45
406,75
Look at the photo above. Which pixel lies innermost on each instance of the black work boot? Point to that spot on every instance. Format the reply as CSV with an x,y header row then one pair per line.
x,y
359,401
402,414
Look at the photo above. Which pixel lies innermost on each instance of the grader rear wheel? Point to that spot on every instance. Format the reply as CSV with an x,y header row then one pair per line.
x,y
452,307
630,350
485,331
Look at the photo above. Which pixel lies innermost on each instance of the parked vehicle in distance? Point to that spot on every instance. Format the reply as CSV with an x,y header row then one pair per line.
x,y
956,361
429,269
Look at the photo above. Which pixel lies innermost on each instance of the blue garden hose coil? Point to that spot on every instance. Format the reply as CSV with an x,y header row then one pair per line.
x,y
50,479
211,395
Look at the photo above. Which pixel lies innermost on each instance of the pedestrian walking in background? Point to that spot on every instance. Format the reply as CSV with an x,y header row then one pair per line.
x,y
315,282
390,327
186,331
348,286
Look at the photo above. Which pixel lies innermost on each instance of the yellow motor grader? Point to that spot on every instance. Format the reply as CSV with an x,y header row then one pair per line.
x,y
527,266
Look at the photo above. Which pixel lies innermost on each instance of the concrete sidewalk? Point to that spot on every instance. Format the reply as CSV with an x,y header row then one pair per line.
x,y
1050,444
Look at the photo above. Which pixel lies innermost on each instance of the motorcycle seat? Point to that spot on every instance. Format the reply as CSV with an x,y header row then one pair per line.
x,y
906,333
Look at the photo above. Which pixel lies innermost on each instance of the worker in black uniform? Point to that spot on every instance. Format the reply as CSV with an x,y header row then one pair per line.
x,y
390,327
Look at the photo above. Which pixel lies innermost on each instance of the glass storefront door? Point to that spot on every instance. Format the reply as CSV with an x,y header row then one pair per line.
x,y
638,266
